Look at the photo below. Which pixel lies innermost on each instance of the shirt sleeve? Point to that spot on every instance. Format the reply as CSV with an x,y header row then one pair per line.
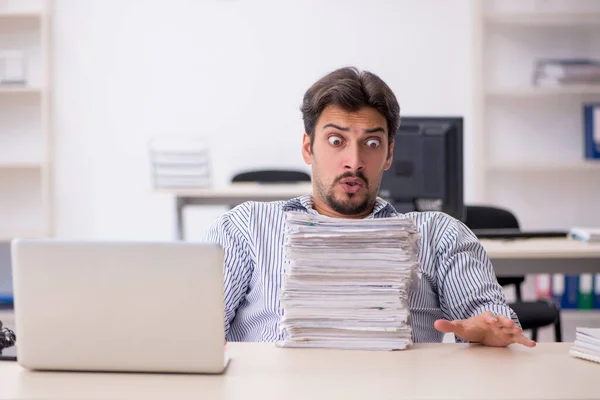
x,y
227,231
466,279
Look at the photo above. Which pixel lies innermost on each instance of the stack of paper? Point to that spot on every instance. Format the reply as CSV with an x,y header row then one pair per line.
x,y
585,234
180,163
347,282
569,71
587,344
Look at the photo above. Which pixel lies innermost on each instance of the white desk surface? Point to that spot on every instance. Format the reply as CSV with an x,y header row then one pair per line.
x,y
540,248
262,371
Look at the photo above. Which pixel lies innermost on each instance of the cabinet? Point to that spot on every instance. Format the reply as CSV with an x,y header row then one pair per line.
x,y
529,145
25,134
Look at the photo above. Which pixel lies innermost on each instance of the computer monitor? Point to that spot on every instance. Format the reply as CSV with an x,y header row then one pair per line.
x,y
427,171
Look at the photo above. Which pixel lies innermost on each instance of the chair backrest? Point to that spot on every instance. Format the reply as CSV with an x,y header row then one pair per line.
x,y
272,176
486,217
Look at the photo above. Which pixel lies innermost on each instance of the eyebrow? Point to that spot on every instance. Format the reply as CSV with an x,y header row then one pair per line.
x,y
372,130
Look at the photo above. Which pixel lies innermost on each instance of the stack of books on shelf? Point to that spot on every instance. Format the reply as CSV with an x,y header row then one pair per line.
x,y
568,71
180,163
587,344
347,282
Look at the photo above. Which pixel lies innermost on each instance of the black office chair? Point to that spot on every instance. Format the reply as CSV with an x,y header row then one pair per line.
x,y
271,176
532,314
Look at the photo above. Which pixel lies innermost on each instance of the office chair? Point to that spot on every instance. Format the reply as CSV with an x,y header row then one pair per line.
x,y
271,176
532,314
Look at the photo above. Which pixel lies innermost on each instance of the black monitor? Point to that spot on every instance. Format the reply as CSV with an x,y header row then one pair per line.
x,y
427,171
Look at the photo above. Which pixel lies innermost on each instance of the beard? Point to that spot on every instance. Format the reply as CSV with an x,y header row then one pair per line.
x,y
349,204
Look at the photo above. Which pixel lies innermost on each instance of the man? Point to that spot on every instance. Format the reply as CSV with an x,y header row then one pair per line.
x,y
350,119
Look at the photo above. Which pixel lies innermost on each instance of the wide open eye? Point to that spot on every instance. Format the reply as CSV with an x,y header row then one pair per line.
x,y
335,140
373,143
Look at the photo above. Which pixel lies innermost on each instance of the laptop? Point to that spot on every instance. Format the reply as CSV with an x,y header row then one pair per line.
x,y
119,306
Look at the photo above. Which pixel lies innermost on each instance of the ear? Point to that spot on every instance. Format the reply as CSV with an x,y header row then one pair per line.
x,y
306,153
390,158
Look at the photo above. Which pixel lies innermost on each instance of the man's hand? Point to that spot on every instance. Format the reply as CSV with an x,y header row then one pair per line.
x,y
486,328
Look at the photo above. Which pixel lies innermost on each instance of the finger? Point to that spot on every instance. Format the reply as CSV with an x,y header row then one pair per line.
x,y
515,330
446,326
524,341
505,322
488,315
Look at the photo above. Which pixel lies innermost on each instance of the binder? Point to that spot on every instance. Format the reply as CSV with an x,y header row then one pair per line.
x,y
571,295
543,286
585,298
591,124
597,291
558,288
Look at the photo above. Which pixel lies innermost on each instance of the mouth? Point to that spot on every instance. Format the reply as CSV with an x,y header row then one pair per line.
x,y
352,185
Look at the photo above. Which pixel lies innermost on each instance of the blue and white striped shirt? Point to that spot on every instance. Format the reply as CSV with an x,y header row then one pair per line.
x,y
457,279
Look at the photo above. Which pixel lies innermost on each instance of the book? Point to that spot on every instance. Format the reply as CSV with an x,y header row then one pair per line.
x,y
587,344
568,71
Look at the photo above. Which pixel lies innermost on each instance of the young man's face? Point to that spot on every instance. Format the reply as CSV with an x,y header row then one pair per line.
x,y
349,154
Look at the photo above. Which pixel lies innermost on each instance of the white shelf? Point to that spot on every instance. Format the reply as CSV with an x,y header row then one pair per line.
x,y
8,237
20,14
19,89
580,166
25,159
533,91
21,165
577,314
544,19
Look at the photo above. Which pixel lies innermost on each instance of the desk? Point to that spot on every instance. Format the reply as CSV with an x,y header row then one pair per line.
x,y
535,256
510,257
262,371
232,196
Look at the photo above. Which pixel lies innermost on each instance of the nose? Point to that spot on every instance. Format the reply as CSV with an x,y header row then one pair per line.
x,y
353,159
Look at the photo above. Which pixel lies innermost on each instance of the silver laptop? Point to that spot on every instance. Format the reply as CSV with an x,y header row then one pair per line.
x,y
119,306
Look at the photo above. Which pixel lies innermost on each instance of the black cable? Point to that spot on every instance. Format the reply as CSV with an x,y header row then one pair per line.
x,y
7,338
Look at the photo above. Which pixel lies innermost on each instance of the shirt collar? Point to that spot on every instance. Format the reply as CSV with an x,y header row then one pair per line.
x,y
305,203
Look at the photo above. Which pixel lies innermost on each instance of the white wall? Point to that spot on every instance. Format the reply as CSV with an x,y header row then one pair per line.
x,y
234,72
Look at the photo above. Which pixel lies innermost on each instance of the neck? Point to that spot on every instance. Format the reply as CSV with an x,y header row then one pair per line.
x,y
321,207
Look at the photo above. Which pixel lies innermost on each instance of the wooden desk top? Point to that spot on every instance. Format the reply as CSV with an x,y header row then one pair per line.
x,y
262,371
540,248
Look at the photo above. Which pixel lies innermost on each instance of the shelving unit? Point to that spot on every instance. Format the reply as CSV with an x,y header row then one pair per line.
x,y
532,92
25,136
19,89
529,149
580,166
529,140
542,18
8,15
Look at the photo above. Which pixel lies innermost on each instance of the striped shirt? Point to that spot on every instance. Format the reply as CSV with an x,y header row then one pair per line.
x,y
457,278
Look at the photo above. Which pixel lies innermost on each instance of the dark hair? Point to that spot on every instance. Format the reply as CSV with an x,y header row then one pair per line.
x,y
351,90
